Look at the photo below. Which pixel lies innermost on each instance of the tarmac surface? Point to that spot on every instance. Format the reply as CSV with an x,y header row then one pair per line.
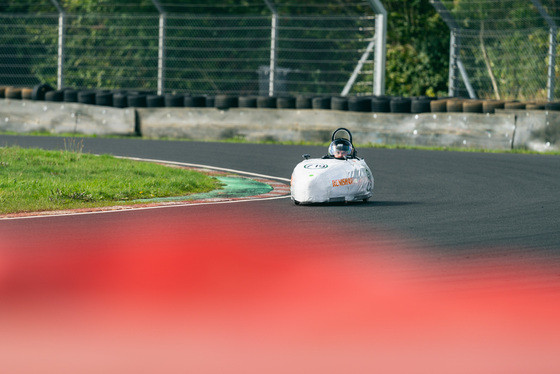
x,y
458,201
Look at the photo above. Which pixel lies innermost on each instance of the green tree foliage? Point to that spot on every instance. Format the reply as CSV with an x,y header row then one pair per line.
x,y
417,49
505,46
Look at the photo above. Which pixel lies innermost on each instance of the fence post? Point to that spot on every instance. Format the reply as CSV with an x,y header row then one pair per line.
x,y
551,64
273,47
161,47
161,54
61,34
452,64
380,47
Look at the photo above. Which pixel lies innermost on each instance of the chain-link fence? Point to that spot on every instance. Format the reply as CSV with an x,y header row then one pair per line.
x,y
226,46
502,49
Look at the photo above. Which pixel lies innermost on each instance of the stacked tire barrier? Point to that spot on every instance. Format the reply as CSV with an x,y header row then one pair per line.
x,y
447,121
377,104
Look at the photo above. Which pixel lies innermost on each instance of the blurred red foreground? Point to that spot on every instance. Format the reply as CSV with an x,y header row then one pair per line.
x,y
234,297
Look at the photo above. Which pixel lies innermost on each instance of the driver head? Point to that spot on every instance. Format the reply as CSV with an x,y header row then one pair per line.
x,y
340,148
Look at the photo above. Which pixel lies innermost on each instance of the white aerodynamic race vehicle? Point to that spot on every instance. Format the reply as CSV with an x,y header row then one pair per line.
x,y
340,176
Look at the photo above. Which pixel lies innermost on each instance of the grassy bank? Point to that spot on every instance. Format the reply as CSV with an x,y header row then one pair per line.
x,y
39,180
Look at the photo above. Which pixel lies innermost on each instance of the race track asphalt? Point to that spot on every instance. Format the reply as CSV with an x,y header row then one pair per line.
x,y
452,267
459,202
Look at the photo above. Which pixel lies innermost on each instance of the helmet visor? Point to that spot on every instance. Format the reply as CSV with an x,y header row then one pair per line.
x,y
340,149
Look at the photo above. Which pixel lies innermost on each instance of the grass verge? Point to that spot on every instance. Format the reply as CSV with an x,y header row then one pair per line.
x,y
38,180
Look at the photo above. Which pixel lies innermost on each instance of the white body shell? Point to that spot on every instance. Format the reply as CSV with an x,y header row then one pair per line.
x,y
319,180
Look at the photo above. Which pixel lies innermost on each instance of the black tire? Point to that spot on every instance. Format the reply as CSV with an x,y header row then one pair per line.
x,y
209,100
423,97
86,97
195,101
26,93
286,102
39,91
472,106
535,106
490,106
401,105
120,100
438,106
136,101
13,93
359,104
454,106
420,106
247,102
303,102
56,96
174,100
514,105
381,104
266,102
339,103
2,92
226,101
553,105
140,93
155,101
104,98
70,96
321,102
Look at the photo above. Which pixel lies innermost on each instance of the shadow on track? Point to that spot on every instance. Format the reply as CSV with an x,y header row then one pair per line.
x,y
369,204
